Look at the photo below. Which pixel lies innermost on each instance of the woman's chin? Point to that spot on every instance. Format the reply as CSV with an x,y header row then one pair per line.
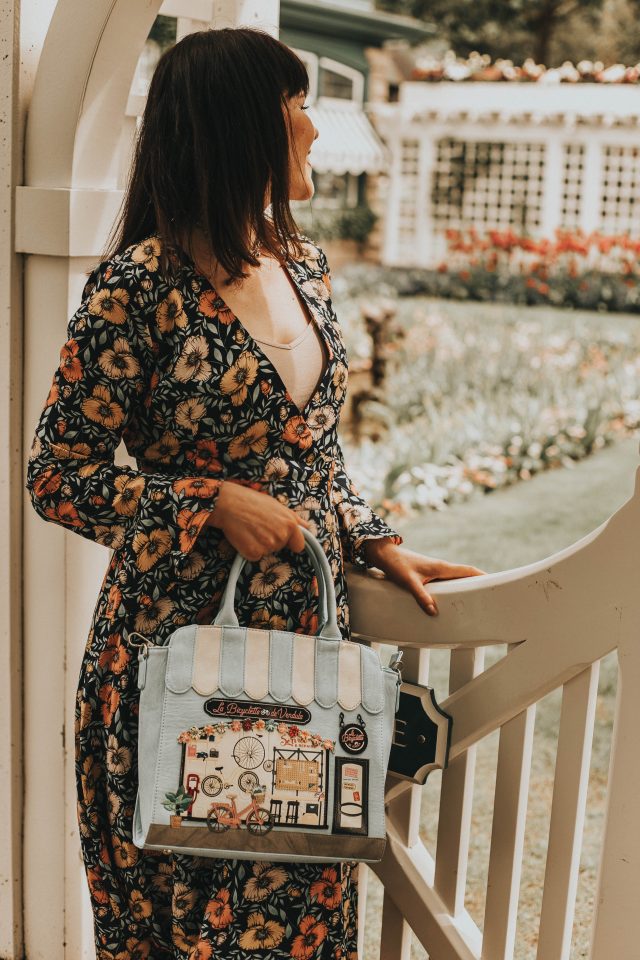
x,y
304,191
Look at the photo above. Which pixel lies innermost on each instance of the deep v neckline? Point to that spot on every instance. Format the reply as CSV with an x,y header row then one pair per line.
x,y
254,345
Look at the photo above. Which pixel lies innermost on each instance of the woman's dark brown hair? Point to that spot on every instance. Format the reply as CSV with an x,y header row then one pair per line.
x,y
213,140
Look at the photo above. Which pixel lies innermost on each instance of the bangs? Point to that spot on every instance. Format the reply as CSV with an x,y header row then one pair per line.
x,y
282,64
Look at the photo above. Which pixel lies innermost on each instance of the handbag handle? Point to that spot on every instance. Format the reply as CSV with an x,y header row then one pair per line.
x,y
227,617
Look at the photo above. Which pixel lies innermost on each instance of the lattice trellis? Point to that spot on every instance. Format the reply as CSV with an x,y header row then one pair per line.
x,y
488,184
620,197
409,169
572,185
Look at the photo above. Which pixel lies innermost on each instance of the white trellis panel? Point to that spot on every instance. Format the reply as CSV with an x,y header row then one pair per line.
x,y
499,156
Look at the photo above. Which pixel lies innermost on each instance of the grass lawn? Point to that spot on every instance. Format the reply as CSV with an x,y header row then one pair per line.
x,y
498,531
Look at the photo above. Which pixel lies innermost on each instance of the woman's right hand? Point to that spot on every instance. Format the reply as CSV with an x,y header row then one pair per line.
x,y
255,523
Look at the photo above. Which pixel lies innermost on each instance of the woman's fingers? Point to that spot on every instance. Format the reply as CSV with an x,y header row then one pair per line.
x,y
443,570
417,586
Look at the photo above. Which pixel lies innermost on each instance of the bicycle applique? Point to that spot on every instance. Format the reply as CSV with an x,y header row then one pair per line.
x,y
258,821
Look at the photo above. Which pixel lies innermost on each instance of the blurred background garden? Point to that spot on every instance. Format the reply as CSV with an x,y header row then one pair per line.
x,y
477,191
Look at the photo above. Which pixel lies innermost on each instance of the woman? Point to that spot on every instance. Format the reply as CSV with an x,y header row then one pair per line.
x,y
183,347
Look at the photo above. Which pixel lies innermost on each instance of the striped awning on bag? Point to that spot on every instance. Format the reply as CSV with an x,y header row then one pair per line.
x,y
239,661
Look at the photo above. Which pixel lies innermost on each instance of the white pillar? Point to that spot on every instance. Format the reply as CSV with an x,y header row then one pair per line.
x,y
11,780
64,211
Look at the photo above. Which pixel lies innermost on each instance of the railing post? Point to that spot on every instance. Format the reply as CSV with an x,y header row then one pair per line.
x,y
395,939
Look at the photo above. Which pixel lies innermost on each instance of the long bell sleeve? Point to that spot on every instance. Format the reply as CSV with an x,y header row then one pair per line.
x,y
96,399
356,520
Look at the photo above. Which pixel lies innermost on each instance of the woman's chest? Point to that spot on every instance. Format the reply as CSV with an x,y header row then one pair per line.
x,y
213,380
269,305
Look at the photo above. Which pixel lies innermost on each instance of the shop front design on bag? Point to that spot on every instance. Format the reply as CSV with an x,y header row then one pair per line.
x,y
264,744
226,765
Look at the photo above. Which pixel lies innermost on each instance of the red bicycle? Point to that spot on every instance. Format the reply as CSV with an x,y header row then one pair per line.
x,y
222,816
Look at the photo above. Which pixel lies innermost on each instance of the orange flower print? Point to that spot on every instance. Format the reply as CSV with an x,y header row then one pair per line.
x,y
170,312
266,878
225,315
192,363
147,253
110,701
218,912
70,366
96,885
260,933
308,623
190,525
118,757
47,482
112,537
205,456
312,933
163,450
100,408
189,413
114,600
264,620
206,303
273,574
111,305
201,951
76,451
118,361
297,431
54,395
252,440
328,890
197,486
91,773
138,949
140,907
150,547
125,502
153,613
239,377
65,513
340,377
115,655
193,565
125,854
183,900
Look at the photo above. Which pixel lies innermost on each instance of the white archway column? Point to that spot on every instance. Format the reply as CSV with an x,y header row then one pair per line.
x,y
77,136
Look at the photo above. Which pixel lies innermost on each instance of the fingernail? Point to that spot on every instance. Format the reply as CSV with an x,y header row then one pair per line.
x,y
431,608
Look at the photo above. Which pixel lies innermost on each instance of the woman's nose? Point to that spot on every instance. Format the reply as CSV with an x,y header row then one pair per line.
x,y
316,134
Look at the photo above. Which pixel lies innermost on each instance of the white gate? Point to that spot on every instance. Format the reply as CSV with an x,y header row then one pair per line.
x,y
560,617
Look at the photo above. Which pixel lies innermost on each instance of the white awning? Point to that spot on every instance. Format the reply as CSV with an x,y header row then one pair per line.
x,y
347,142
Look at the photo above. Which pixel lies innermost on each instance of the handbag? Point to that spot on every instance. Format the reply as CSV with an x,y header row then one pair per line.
x,y
264,744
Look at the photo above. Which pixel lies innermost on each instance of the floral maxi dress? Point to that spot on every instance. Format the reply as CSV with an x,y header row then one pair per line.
x,y
160,361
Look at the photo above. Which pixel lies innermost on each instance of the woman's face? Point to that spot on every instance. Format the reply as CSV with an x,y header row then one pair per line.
x,y
302,133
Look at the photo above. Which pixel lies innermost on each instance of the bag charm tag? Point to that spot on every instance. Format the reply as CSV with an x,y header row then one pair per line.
x,y
353,737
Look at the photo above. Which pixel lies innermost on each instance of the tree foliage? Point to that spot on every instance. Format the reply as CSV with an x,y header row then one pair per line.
x,y
548,30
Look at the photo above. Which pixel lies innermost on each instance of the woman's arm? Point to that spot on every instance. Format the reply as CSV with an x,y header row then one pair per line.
x,y
98,391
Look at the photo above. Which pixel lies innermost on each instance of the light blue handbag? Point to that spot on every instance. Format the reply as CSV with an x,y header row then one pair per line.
x,y
262,744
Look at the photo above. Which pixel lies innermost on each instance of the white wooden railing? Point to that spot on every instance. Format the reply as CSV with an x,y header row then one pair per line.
x,y
560,617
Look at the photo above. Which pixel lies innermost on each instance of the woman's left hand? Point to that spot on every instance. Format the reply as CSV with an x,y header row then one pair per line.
x,y
413,570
